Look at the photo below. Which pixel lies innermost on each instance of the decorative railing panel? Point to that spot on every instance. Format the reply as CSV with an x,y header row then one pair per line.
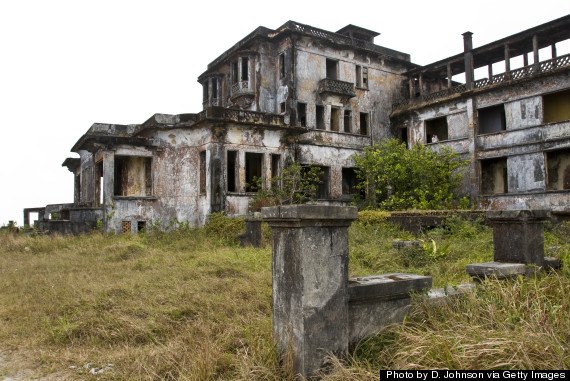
x,y
240,87
334,86
227,114
513,75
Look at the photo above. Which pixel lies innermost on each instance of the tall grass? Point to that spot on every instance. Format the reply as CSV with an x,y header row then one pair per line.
x,y
192,305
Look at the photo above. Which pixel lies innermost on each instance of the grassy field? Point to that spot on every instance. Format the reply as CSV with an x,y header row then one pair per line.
x,y
192,305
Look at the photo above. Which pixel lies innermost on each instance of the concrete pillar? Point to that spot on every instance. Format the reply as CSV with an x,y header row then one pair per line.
x,y
518,235
412,85
468,58
421,84
449,76
507,58
310,282
535,50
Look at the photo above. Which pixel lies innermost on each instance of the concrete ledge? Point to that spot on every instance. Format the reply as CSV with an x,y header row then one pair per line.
x,y
517,215
386,286
551,263
496,269
312,212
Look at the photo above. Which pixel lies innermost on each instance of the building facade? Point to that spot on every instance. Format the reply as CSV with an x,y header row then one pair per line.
x,y
318,97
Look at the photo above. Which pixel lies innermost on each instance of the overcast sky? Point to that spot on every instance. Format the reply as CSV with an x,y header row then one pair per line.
x,y
66,64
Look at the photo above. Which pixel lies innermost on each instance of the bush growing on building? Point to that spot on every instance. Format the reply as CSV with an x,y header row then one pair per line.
x,y
297,184
397,178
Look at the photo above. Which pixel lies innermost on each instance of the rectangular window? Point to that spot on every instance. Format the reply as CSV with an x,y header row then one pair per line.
x,y
556,106
334,119
332,69
133,176
231,171
494,176
361,77
320,117
275,165
347,121
558,169
358,82
364,77
364,122
126,227
203,172
141,226
206,95
404,136
436,130
214,82
244,69
282,107
348,182
253,171
235,72
323,189
492,119
281,66
302,114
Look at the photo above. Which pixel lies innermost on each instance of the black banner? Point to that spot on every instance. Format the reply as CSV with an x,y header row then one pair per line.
x,y
441,375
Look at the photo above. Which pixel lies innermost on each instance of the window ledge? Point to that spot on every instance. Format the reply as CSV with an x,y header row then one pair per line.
x,y
119,198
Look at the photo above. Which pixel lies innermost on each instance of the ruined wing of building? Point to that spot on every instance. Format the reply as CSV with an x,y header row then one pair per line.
x,y
317,97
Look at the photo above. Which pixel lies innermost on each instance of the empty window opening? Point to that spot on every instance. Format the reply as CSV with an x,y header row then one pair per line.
x,y
349,182
334,119
244,69
77,189
282,107
126,227
364,122
275,165
33,218
332,69
253,171
203,172
141,226
281,66
436,130
235,72
231,171
358,76
494,176
214,88
492,119
404,136
558,169
99,182
347,121
322,191
133,176
556,106
302,114
320,118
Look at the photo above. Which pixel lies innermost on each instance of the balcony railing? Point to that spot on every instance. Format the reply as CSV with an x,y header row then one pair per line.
x,y
506,77
241,87
334,86
226,114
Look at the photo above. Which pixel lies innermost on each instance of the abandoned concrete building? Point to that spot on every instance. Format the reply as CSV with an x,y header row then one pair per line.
x,y
317,97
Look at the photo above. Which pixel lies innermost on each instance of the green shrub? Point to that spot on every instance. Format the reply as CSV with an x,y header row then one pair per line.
x,y
369,217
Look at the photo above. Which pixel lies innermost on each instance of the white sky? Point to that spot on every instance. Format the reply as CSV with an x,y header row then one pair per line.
x,y
66,64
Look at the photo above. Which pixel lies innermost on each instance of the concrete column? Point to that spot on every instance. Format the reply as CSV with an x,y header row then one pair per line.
x,y
535,50
108,177
421,84
310,282
490,67
525,59
553,50
468,58
449,75
412,85
507,58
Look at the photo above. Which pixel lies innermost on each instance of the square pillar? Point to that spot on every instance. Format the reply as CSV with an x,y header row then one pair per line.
x,y
310,282
518,235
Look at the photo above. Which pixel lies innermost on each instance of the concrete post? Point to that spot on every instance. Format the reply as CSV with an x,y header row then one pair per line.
x,y
468,58
310,282
518,235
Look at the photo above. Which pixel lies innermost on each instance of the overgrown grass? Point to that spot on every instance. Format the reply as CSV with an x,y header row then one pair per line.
x,y
192,305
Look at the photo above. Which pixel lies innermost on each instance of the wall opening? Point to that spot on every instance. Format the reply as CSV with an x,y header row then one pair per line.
x,y
332,69
323,186
558,169
281,66
231,171
404,136
494,176
556,106
99,183
436,130
244,69
320,117
349,182
77,189
492,119
203,172
253,171
302,114
126,227
275,165
133,176
235,72
347,121
334,119
214,88
282,107
364,122
141,226
361,77
206,94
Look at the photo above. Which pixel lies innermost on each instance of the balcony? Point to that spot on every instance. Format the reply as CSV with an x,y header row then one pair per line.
x,y
240,88
334,86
